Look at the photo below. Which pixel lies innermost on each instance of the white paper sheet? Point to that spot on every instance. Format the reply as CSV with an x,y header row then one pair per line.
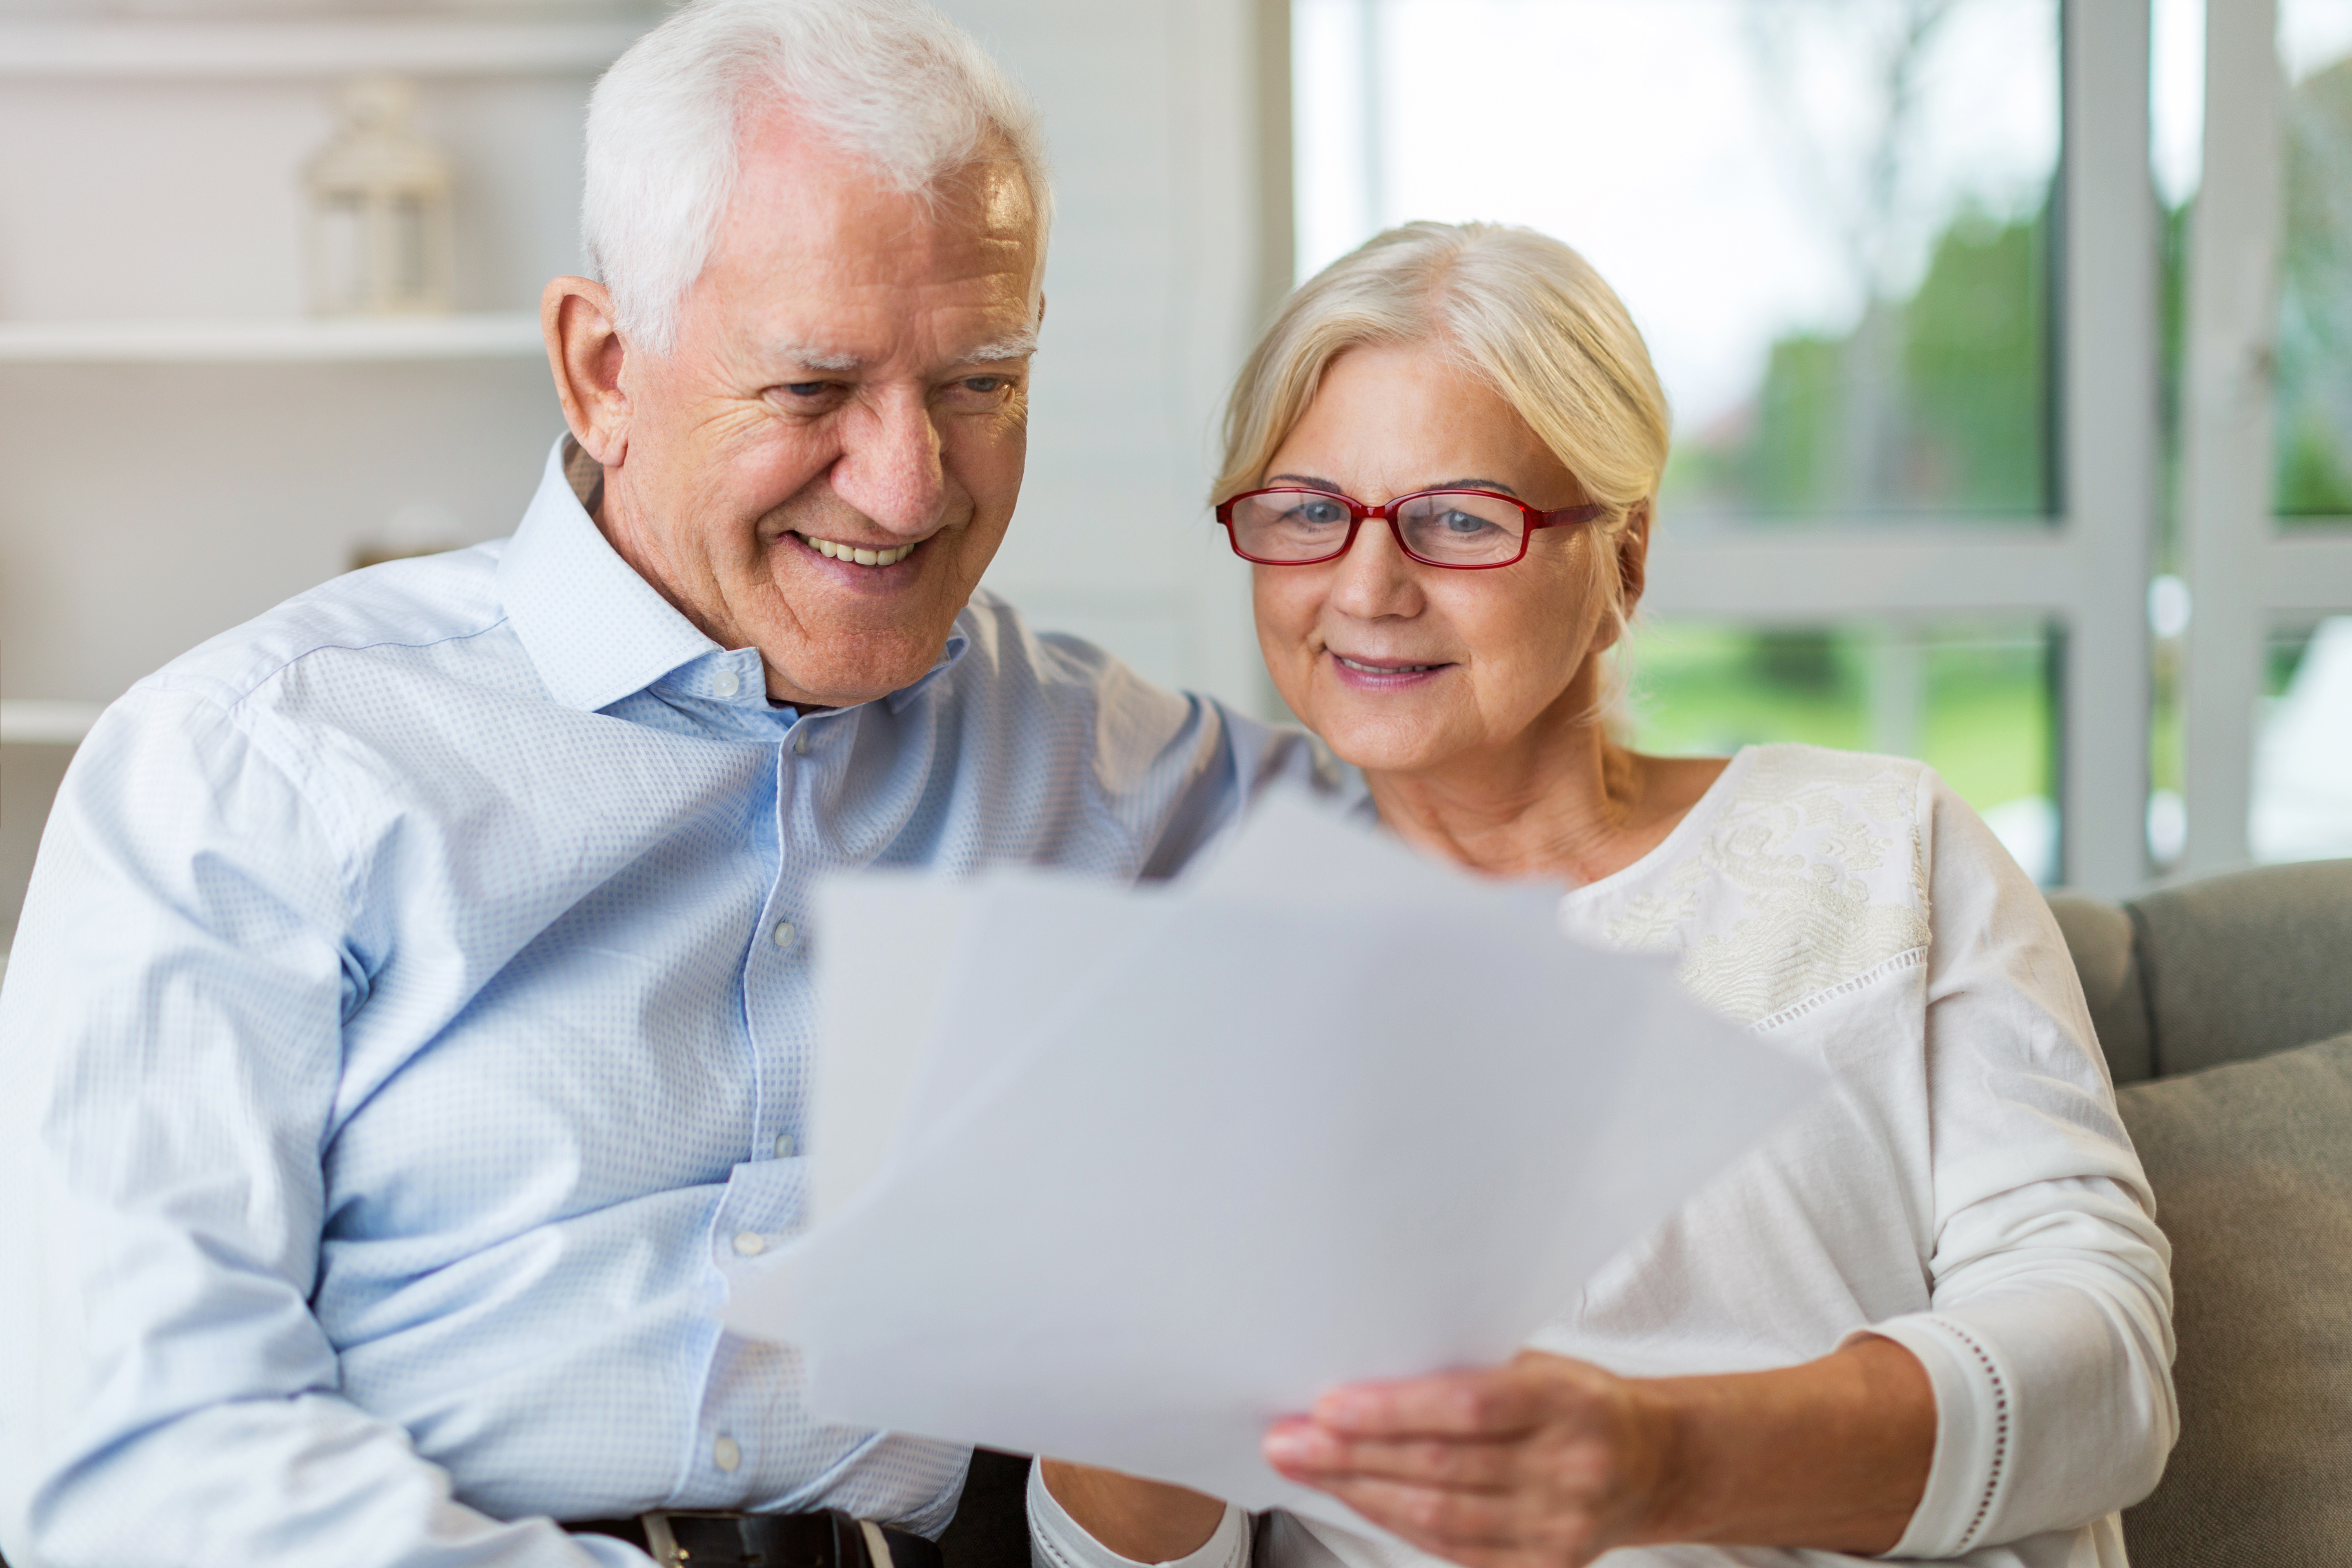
x,y
1166,1164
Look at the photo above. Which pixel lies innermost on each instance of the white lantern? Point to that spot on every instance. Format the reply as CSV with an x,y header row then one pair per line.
x,y
379,240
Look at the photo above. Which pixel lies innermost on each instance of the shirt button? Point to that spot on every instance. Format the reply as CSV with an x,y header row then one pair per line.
x,y
726,1455
785,1146
728,684
749,1244
783,935
800,744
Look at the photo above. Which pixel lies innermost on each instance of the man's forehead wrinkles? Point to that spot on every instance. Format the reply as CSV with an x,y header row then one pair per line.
x,y
818,356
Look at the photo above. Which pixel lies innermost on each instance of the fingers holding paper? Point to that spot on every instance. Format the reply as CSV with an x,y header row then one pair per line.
x,y
1543,1461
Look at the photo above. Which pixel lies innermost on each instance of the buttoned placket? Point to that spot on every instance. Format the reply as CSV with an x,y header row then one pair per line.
x,y
781,958
761,1202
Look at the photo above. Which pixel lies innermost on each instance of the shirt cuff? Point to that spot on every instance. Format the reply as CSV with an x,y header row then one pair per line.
x,y
1973,1410
1058,1541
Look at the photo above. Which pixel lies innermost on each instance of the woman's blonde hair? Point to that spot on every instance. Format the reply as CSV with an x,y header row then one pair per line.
x,y
1518,307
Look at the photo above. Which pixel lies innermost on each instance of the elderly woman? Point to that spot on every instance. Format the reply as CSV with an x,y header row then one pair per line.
x,y
1930,1319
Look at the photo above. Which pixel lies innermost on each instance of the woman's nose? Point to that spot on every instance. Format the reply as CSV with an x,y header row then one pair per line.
x,y
1375,578
890,467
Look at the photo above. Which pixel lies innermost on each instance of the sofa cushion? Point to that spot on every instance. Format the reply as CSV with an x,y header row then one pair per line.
x,y
2242,965
2101,938
2252,1164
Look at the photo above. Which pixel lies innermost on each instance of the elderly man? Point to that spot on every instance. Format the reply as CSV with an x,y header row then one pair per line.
x,y
411,1006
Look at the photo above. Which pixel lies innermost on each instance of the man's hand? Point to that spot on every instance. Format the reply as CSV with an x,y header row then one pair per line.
x,y
1543,1463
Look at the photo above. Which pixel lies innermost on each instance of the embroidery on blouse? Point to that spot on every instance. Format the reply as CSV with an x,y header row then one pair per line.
x,y
1653,919
1795,851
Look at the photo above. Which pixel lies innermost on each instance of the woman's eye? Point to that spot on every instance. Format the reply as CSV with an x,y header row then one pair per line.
x,y
1319,513
1462,523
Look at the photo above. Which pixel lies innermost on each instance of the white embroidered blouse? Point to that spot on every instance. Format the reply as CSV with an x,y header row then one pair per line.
x,y
1966,1190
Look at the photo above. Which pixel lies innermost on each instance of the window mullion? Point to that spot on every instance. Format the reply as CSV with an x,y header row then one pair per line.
x,y
2107,315
2226,413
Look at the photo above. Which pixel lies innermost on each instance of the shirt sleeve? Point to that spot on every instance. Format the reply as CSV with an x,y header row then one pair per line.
x,y
1240,759
169,1045
2049,1335
1058,1541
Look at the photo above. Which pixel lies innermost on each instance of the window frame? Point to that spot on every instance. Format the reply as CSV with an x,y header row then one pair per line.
x,y
2244,571
2084,574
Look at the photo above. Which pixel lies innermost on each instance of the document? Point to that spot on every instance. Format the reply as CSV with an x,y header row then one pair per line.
x,y
1132,1172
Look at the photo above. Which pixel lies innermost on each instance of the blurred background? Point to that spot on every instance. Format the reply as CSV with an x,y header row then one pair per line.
x,y
2009,344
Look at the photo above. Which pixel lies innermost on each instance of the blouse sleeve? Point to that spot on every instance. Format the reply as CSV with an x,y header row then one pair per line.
x,y
2049,1334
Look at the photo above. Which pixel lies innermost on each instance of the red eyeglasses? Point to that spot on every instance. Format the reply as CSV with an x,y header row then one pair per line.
x,y
1467,530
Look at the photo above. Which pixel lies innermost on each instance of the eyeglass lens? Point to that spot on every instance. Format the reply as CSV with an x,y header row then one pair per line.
x,y
1444,528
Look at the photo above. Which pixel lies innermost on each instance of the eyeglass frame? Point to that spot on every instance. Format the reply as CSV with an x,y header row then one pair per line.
x,y
1532,518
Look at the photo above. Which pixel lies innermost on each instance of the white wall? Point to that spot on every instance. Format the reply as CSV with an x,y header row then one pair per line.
x,y
143,508
1152,299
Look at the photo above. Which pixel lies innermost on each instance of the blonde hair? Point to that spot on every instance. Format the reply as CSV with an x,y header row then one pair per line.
x,y
1518,307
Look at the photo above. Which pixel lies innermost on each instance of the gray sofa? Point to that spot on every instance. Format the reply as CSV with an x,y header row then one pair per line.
x,y
2225,1010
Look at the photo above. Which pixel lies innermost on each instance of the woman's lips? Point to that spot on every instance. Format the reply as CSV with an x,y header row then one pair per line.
x,y
1382,674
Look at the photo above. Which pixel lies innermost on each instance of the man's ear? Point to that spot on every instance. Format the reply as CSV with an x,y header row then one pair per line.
x,y
585,351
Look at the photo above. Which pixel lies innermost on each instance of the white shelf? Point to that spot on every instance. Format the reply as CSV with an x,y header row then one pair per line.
x,y
512,335
318,46
28,722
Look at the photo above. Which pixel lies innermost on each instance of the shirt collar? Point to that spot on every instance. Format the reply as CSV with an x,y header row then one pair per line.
x,y
598,632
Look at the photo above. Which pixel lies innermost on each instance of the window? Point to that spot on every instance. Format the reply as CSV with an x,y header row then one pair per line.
x,y
1972,699
1839,225
2312,426
1918,276
2264,413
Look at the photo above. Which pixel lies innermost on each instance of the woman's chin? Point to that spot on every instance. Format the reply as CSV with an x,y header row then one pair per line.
x,y
1383,743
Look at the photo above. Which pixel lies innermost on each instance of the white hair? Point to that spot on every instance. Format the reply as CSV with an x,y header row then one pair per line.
x,y
890,81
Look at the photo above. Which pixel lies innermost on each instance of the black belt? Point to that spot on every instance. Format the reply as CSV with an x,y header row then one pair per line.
x,y
712,1539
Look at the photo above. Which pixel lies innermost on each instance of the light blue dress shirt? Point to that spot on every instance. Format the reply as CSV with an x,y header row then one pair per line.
x,y
412,1008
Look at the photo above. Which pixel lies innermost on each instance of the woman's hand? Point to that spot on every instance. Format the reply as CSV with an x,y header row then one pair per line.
x,y
1543,1463
1548,1463
1144,1521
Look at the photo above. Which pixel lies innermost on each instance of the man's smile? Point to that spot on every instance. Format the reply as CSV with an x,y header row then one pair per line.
x,y
858,554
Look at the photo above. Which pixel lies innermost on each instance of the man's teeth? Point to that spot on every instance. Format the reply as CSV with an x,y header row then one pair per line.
x,y
1383,669
862,556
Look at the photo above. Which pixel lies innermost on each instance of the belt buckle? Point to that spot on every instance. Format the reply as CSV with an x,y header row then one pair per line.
x,y
850,1541
661,1541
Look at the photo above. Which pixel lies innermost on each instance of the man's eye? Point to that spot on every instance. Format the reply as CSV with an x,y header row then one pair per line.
x,y
984,382
808,389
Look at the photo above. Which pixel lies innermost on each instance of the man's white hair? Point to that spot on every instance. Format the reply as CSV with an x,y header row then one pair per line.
x,y
891,81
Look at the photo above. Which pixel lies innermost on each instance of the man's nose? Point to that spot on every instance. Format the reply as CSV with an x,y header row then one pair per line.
x,y
890,467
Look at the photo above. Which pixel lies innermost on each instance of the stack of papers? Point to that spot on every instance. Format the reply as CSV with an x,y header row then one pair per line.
x,y
1130,1173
